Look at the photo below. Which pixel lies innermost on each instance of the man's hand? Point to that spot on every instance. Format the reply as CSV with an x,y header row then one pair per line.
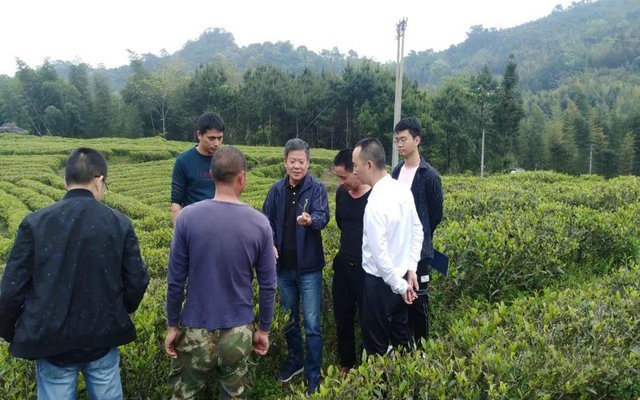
x,y
169,343
275,252
260,342
412,280
175,210
412,285
304,219
409,296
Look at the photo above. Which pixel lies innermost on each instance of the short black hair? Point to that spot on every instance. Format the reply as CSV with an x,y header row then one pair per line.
x,y
344,158
83,165
411,124
209,120
295,144
371,150
227,163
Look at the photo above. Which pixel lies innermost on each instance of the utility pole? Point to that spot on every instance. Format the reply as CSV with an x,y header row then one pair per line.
x,y
397,105
590,158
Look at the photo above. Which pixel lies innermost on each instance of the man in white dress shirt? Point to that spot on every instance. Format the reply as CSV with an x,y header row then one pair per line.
x,y
391,246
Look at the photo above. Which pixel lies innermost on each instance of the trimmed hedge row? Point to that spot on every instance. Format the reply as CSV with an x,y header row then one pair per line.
x,y
12,211
500,255
30,197
573,343
110,147
468,197
508,237
53,193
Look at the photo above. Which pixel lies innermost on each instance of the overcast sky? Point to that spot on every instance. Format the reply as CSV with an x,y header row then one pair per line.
x,y
99,31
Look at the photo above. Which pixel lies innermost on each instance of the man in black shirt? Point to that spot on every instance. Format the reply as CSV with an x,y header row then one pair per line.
x,y
348,275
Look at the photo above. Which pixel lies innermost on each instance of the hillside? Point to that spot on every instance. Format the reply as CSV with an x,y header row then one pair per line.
x,y
559,93
218,46
587,36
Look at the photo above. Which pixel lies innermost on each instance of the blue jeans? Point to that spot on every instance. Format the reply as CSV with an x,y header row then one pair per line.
x,y
101,376
307,287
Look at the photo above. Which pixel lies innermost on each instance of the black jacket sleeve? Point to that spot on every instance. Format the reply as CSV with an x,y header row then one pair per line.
x,y
435,201
134,272
16,281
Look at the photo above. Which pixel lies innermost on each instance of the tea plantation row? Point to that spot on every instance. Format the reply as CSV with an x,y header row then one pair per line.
x,y
542,299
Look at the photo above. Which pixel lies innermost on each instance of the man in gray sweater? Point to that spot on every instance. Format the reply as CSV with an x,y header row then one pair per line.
x,y
217,246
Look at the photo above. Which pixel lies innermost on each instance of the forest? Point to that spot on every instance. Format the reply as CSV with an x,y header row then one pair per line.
x,y
566,101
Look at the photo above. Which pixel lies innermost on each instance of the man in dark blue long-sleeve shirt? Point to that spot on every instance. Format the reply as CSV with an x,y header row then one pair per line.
x,y
190,180
218,256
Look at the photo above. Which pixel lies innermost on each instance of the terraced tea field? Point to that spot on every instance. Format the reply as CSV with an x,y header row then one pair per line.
x,y
542,299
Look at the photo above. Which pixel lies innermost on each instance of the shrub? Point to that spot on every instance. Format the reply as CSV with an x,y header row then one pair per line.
x,y
572,343
533,305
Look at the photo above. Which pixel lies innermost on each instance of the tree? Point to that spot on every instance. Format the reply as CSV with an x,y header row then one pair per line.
x,y
560,147
13,103
105,115
582,133
312,101
484,94
78,109
507,116
163,91
266,106
365,83
453,148
137,92
530,141
604,160
627,154
30,99
212,87
54,120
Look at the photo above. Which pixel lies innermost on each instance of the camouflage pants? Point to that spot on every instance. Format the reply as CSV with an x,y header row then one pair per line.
x,y
225,353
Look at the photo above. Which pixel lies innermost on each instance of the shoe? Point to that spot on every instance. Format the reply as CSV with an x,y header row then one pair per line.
x,y
289,371
313,386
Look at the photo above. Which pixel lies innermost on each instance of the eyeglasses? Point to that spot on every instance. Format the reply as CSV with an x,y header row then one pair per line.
x,y
403,139
105,188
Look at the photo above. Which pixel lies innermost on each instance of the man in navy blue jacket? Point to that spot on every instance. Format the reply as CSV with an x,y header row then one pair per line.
x,y
297,207
424,181
72,278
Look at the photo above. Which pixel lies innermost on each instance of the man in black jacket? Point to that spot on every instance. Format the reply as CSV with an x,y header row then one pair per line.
x,y
297,207
424,181
72,278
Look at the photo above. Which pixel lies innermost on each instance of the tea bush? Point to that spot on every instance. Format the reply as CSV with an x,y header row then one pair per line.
x,y
581,342
500,254
539,302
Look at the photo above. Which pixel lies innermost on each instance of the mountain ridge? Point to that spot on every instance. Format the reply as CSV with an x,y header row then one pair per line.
x,y
588,35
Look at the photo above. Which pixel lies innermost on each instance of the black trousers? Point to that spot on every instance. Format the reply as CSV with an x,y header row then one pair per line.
x,y
348,280
418,311
383,317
